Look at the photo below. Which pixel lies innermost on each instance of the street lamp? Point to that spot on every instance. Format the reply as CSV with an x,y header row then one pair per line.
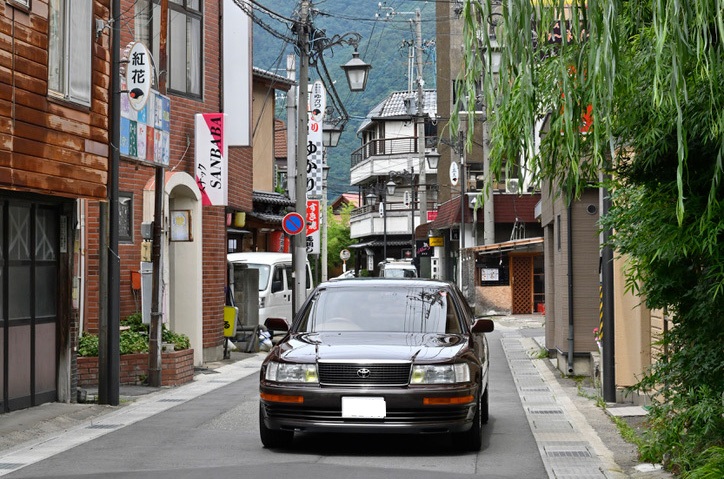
x,y
332,131
310,46
357,71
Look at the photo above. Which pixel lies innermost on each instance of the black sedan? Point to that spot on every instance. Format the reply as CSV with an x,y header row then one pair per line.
x,y
378,355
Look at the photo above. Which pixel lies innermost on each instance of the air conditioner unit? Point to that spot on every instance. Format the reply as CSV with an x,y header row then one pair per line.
x,y
512,186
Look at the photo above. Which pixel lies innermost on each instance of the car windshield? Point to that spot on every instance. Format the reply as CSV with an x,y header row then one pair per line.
x,y
397,309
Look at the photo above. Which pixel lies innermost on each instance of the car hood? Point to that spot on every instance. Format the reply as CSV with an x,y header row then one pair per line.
x,y
344,346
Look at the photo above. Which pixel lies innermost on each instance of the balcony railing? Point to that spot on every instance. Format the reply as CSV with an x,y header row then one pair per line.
x,y
385,147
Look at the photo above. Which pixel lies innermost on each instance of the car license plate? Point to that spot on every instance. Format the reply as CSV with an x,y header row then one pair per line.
x,y
363,407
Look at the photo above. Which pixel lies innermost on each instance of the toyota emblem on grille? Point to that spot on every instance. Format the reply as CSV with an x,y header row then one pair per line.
x,y
363,373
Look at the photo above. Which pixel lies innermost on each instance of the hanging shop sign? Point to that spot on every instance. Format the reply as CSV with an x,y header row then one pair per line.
x,y
211,159
146,133
139,75
313,222
315,148
454,173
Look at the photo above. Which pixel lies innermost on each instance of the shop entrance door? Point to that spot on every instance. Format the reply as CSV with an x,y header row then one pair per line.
x,y
521,277
29,263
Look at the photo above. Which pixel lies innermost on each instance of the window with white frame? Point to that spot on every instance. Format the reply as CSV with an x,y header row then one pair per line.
x,y
69,50
184,45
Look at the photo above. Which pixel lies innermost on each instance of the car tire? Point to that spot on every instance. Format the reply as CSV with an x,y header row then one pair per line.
x,y
485,410
273,439
472,439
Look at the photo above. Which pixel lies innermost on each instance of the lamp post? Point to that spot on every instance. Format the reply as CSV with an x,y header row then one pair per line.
x,y
323,214
309,47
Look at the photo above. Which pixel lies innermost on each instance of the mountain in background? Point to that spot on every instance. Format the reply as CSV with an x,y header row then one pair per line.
x,y
385,45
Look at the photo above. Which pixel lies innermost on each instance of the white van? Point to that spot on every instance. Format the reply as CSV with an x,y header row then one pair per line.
x,y
397,269
275,281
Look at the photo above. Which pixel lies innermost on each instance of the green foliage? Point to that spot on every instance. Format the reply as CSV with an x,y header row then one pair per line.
x,y
712,467
131,342
88,345
627,432
134,339
180,341
654,75
338,236
683,428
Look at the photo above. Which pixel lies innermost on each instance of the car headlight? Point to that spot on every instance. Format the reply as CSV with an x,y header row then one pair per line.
x,y
440,374
291,373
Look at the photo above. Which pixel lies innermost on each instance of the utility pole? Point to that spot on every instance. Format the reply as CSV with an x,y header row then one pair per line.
x,y
420,124
155,335
299,254
109,369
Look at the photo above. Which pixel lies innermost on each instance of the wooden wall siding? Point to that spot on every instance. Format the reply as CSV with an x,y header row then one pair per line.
x,y
46,146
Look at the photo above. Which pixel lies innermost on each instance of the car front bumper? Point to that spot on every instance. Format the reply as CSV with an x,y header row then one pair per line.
x,y
321,409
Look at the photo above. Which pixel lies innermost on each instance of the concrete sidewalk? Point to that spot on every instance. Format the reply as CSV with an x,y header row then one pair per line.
x,y
576,439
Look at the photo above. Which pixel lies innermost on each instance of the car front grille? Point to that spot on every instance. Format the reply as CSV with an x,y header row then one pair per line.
x,y
348,374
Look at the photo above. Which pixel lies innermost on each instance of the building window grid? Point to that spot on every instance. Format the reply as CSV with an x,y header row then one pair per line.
x,y
185,34
69,50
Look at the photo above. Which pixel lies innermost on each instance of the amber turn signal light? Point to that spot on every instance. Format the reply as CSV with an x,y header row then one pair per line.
x,y
447,401
282,398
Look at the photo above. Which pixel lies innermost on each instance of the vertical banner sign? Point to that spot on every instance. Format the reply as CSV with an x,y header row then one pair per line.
x,y
313,219
317,105
211,159
145,113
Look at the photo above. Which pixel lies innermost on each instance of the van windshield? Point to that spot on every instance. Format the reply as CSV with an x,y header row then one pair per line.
x,y
264,270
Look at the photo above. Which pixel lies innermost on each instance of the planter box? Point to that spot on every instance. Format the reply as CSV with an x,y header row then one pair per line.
x,y
177,367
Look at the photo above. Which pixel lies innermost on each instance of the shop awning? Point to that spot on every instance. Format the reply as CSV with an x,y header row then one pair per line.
x,y
525,244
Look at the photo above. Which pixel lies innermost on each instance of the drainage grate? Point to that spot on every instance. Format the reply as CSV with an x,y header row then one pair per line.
x,y
529,389
545,411
171,400
571,453
104,426
10,465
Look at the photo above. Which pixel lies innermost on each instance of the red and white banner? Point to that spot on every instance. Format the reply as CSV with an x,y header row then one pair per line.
x,y
314,217
211,158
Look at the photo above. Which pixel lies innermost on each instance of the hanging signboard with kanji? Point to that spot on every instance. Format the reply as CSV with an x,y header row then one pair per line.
x,y
315,153
313,219
139,75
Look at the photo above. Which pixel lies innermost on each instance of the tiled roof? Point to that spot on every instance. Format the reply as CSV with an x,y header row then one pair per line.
x,y
449,214
267,217
393,107
271,198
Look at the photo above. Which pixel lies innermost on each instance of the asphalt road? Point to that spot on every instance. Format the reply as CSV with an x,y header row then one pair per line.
x,y
216,435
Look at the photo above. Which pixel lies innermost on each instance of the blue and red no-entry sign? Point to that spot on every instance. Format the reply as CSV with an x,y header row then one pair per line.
x,y
293,223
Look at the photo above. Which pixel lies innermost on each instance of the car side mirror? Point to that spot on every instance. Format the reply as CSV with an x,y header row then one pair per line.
x,y
276,286
276,324
482,325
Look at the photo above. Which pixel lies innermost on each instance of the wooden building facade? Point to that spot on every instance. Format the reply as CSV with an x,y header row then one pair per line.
x,y
54,78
